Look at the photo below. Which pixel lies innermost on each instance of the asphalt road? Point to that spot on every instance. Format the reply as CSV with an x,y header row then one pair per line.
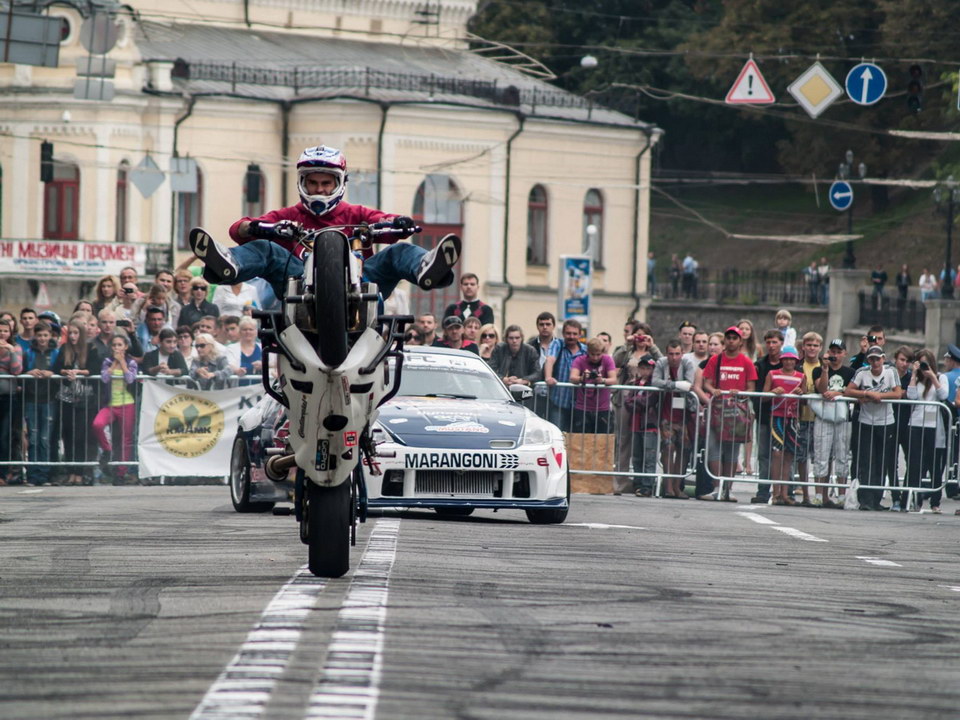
x,y
161,602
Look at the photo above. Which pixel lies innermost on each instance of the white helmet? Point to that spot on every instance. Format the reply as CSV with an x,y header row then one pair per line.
x,y
326,160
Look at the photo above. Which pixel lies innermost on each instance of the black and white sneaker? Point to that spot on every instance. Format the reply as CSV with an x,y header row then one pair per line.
x,y
218,260
435,267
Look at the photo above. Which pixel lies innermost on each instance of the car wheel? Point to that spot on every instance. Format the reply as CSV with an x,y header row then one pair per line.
x,y
240,480
454,511
546,516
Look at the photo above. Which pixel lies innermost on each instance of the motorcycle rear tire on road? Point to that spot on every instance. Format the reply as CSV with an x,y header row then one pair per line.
x,y
330,267
328,529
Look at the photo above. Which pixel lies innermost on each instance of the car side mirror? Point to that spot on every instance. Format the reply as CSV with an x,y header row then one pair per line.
x,y
523,391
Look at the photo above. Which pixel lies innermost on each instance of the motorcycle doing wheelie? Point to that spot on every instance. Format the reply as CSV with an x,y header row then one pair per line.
x,y
332,373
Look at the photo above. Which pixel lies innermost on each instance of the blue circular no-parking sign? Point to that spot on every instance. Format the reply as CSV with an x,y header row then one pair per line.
x,y
866,83
841,195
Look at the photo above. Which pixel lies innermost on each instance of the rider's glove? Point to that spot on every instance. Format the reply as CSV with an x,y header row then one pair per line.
x,y
402,222
284,229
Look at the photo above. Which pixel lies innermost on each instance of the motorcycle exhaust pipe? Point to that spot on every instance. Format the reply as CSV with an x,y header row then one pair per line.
x,y
278,467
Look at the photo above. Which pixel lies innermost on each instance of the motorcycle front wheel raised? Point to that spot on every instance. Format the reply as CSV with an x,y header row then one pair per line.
x,y
330,296
328,529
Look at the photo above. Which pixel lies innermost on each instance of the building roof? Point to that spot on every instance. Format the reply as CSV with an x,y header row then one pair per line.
x,y
296,67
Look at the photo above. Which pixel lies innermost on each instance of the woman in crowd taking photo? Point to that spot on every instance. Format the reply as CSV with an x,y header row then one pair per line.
x,y
105,293
156,297
926,451
11,363
78,363
488,338
118,373
209,370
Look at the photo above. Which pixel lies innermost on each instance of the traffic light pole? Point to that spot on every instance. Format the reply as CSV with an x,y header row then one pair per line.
x,y
849,259
946,291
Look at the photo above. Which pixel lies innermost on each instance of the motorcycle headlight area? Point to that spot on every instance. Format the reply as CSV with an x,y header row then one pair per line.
x,y
539,432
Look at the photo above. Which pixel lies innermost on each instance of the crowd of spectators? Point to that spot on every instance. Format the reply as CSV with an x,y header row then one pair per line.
x,y
69,390
818,419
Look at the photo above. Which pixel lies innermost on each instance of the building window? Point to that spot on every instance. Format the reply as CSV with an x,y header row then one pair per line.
x,y
537,226
61,206
123,198
362,188
438,201
189,212
593,216
254,176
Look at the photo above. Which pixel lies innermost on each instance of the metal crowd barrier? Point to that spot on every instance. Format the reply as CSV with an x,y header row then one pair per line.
x,y
47,425
637,435
871,453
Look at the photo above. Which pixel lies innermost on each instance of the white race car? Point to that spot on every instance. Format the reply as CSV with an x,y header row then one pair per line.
x,y
453,439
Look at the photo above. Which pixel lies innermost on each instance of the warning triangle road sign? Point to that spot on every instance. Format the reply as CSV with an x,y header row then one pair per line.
x,y
750,87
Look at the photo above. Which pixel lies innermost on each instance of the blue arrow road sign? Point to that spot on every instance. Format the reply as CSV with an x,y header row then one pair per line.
x,y
841,195
866,83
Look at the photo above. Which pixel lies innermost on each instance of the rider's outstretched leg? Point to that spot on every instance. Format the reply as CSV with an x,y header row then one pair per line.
x,y
406,261
256,258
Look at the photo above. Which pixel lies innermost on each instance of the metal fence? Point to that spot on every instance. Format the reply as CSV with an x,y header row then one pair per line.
x,y
748,287
55,427
913,457
892,312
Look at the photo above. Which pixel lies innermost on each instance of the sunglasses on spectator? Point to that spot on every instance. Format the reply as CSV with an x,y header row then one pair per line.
x,y
199,287
200,345
488,335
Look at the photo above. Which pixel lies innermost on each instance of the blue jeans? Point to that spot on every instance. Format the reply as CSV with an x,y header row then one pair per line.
x,y
39,417
267,260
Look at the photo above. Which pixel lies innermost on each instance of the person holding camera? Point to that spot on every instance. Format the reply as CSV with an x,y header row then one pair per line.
x,y
926,455
109,324
873,338
638,341
591,404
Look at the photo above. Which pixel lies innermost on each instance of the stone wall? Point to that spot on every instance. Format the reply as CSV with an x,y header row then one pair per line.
x,y
665,316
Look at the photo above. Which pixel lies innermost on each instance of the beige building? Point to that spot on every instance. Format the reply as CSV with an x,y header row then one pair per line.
x,y
213,100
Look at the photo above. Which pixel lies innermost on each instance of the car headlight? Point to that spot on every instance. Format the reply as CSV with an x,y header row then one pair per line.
x,y
539,432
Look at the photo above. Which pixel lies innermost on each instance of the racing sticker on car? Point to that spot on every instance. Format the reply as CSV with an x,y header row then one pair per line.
x,y
482,461
465,427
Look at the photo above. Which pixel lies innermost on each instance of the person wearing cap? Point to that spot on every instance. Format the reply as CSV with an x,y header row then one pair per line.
x,y
874,336
453,336
951,365
786,382
643,409
675,372
831,427
728,373
876,446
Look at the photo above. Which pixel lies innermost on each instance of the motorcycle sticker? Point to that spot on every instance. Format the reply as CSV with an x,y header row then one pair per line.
x,y
350,439
323,455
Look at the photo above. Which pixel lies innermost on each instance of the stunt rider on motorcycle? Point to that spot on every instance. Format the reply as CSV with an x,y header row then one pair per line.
x,y
266,248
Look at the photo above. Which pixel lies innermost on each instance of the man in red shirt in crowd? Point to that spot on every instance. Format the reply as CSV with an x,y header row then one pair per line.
x,y
728,373
268,249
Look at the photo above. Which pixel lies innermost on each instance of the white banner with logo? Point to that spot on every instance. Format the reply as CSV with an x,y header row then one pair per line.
x,y
190,433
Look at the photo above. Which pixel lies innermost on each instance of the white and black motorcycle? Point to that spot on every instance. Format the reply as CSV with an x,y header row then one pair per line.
x,y
331,374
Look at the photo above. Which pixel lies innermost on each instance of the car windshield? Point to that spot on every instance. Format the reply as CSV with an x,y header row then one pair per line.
x,y
450,376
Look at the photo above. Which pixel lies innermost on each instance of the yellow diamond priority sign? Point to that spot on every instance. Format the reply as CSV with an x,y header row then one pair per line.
x,y
815,89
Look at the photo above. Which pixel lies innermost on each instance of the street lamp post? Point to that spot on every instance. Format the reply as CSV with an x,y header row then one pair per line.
x,y
844,173
949,191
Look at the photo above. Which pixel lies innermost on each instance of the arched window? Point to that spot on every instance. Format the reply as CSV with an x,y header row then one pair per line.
x,y
438,201
593,217
189,212
537,226
438,208
120,232
254,191
61,203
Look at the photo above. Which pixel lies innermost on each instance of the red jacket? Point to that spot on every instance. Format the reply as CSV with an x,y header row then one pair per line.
x,y
342,214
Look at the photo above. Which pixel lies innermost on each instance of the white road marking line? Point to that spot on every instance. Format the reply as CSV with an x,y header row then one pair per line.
x,y
602,526
244,688
793,532
758,518
954,588
30,492
878,561
349,684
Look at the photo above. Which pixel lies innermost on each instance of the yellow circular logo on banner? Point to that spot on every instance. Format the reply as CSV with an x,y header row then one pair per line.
x,y
188,426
